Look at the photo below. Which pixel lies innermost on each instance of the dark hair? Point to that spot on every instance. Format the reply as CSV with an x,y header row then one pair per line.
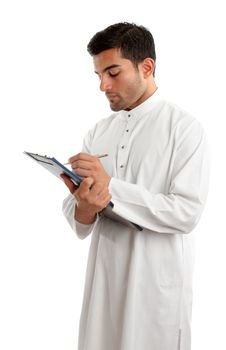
x,y
135,42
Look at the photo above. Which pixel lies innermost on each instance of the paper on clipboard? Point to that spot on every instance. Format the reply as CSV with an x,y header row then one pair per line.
x,y
55,167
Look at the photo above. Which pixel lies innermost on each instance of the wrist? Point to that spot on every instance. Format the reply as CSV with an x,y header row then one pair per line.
x,y
84,216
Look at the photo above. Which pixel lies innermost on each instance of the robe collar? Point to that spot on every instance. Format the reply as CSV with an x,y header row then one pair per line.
x,y
143,108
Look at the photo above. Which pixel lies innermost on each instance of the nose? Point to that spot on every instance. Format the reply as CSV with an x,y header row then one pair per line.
x,y
104,84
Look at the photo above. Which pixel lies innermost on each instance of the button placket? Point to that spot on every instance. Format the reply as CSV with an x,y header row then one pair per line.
x,y
122,154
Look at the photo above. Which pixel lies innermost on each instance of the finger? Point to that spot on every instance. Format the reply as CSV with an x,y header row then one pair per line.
x,y
98,188
92,164
99,201
81,156
82,164
100,193
103,201
84,173
87,169
105,197
71,186
84,189
86,184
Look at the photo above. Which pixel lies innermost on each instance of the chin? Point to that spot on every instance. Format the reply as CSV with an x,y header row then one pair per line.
x,y
115,108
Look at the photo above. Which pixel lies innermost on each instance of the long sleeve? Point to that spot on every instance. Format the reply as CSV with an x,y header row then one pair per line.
x,y
68,208
179,210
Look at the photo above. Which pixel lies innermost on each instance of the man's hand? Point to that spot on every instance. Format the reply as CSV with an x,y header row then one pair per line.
x,y
92,198
86,165
92,195
71,186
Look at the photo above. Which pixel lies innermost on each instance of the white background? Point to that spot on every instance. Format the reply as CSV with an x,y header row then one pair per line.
x,y
49,98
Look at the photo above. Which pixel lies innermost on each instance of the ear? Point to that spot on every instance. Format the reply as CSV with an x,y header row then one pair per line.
x,y
148,67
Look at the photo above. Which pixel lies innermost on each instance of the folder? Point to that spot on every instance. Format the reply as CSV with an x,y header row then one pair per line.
x,y
57,168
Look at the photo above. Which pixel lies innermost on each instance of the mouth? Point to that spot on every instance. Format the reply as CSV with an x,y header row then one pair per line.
x,y
111,96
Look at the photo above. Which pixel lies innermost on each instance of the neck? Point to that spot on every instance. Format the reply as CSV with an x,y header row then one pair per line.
x,y
151,88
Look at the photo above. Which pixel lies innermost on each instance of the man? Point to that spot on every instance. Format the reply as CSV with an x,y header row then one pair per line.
x,y
138,290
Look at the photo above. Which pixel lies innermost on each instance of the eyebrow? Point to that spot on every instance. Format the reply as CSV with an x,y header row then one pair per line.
x,y
109,67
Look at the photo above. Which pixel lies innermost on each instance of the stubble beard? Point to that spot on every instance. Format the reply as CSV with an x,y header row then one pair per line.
x,y
118,105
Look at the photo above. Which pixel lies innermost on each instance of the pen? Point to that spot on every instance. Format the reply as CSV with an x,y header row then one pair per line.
x,y
101,155
98,156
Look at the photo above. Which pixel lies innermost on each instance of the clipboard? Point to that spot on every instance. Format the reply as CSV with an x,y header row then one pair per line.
x,y
57,169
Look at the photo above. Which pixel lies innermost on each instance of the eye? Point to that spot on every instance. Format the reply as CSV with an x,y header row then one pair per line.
x,y
113,74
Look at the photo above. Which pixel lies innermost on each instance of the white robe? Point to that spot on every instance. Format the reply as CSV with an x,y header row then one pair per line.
x,y
138,290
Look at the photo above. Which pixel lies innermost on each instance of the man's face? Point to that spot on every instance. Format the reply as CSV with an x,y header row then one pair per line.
x,y
123,83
